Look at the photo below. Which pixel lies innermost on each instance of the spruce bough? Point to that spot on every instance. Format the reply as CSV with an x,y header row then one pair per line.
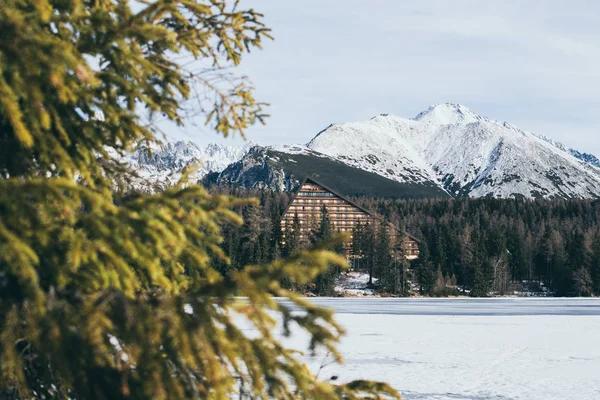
x,y
107,299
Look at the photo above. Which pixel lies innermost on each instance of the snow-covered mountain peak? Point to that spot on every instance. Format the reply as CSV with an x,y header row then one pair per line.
x,y
159,167
462,152
448,114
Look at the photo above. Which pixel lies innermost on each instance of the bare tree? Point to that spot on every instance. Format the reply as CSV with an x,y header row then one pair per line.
x,y
582,282
501,274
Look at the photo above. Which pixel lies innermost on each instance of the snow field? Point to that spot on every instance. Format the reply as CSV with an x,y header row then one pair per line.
x,y
449,357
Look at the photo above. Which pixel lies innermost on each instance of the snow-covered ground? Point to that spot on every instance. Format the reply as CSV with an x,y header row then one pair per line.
x,y
354,284
451,349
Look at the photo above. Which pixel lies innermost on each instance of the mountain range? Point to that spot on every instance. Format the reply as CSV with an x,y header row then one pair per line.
x,y
446,150
160,167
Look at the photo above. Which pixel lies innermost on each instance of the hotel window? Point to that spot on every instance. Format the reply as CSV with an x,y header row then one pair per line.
x,y
315,194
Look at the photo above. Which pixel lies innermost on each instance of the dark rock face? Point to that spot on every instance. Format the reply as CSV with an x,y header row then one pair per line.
x,y
586,157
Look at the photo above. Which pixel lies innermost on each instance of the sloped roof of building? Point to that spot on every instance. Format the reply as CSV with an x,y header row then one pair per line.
x,y
338,194
369,212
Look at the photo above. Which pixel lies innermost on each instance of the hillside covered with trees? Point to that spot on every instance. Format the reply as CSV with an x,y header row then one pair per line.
x,y
468,246
487,243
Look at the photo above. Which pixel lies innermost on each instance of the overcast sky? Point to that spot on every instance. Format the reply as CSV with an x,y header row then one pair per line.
x,y
535,64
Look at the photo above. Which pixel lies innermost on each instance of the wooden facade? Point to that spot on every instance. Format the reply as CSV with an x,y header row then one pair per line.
x,y
344,214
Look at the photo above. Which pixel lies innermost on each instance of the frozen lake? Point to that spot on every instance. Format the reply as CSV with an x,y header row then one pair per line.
x,y
451,349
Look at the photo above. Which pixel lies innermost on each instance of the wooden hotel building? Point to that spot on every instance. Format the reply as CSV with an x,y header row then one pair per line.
x,y
344,214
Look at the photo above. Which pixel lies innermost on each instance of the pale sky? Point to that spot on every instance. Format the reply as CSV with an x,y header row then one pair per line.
x,y
535,64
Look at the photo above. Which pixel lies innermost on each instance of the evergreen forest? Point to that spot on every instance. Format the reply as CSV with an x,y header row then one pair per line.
x,y
477,247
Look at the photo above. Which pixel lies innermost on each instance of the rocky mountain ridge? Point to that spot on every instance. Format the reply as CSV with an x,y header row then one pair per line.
x,y
160,167
446,150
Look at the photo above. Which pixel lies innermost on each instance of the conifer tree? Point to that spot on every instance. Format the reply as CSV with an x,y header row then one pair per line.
x,y
368,250
516,254
383,258
543,261
482,280
425,276
323,231
595,265
292,237
107,299
424,270
356,246
402,268
276,235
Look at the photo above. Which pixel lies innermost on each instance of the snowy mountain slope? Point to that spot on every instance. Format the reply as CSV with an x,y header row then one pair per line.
x,y
160,168
464,153
378,146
